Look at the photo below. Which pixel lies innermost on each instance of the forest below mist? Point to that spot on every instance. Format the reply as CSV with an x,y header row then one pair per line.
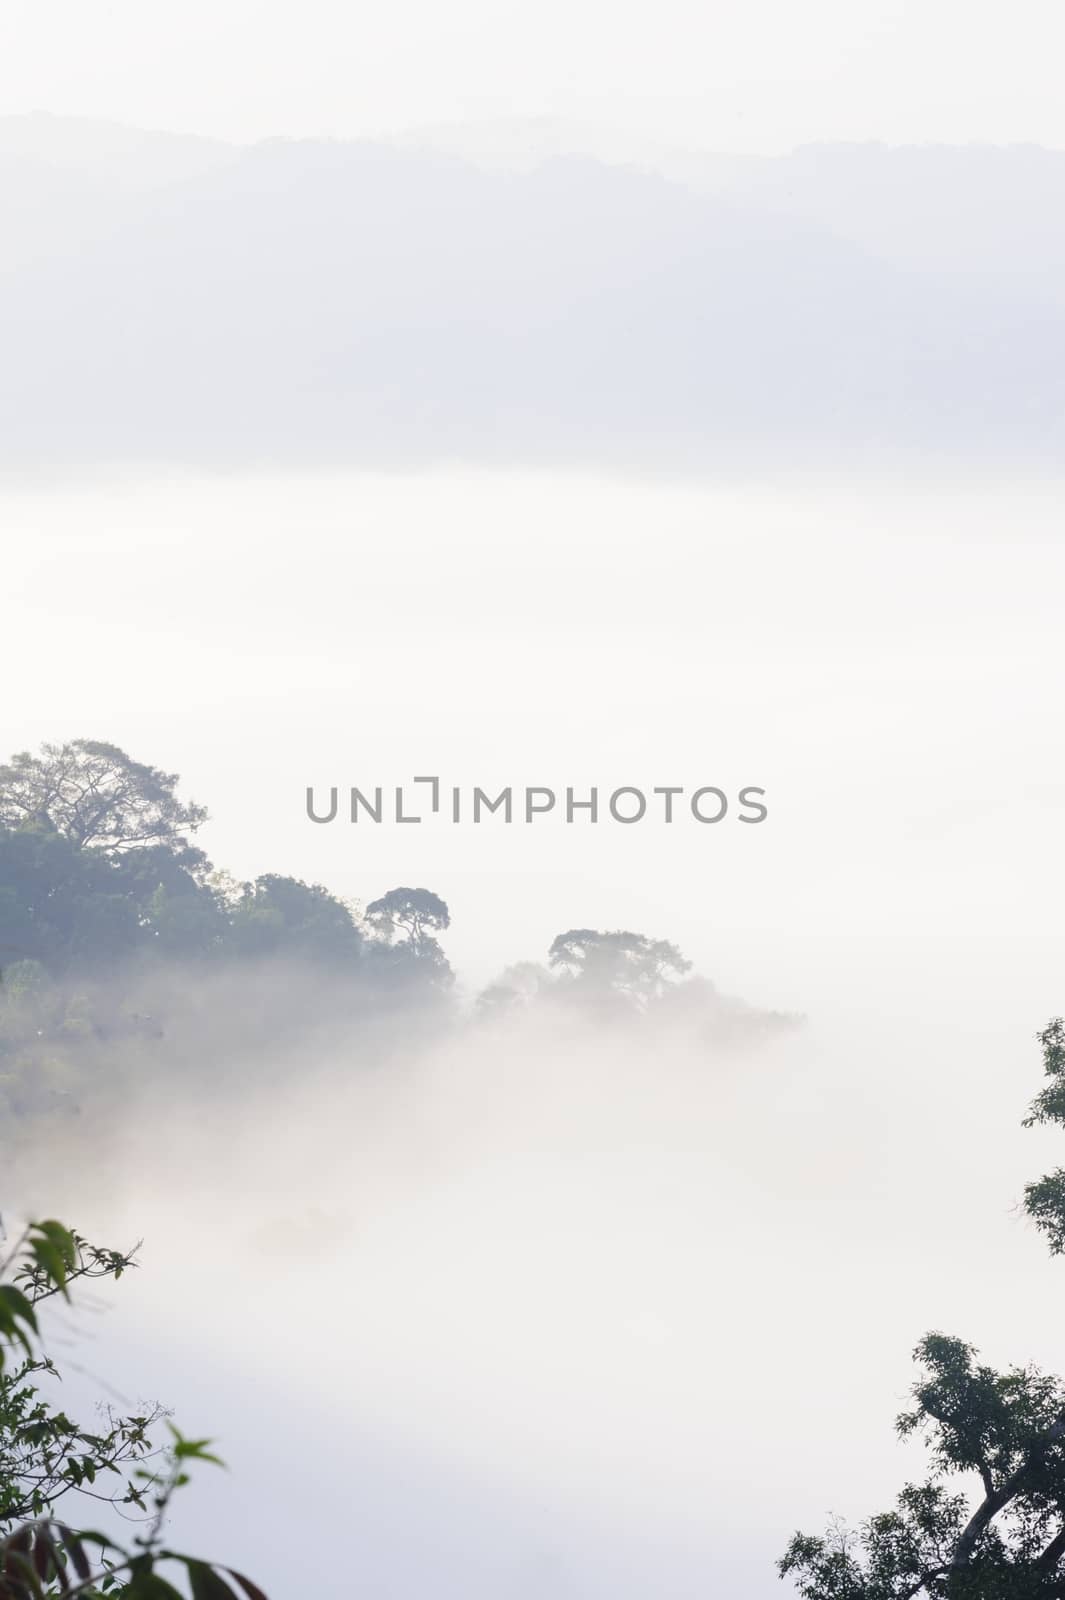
x,y
121,941
132,962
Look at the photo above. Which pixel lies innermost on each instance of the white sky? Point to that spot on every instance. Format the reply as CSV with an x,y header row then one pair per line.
x,y
760,76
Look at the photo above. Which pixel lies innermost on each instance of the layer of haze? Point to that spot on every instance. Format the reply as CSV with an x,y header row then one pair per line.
x,y
763,76
170,302
541,1311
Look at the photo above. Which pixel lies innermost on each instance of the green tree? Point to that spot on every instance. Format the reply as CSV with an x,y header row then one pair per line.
x,y
516,988
70,907
416,916
1001,1534
95,795
1045,1199
618,963
278,915
61,905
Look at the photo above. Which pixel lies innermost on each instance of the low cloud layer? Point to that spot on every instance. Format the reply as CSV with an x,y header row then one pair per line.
x,y
536,1308
465,1275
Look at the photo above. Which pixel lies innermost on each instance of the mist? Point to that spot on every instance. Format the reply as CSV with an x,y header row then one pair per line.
x,y
538,1302
519,459
536,1306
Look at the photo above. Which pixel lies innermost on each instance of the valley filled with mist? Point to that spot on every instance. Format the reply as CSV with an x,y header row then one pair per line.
x,y
528,1278
550,1208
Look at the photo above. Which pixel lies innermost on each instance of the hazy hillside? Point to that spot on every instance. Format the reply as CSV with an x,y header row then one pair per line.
x,y
177,299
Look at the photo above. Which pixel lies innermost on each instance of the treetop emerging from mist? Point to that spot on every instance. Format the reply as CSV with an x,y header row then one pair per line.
x,y
418,912
618,960
117,934
95,795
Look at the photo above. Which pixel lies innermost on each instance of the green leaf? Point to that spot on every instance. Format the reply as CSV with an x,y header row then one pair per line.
x,y
16,1304
150,1586
193,1449
51,1262
206,1584
252,1590
62,1240
19,1576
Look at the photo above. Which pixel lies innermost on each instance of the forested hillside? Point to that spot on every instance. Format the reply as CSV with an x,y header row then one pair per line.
x,y
121,942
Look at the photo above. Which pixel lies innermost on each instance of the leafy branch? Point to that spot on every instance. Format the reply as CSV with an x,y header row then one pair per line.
x,y
45,1455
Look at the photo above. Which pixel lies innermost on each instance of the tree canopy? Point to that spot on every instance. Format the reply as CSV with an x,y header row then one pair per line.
x,y
418,914
95,795
276,913
112,922
621,962
96,872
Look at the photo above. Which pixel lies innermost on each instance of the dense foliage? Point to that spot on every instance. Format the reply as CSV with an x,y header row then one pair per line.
x,y
49,1463
115,928
93,794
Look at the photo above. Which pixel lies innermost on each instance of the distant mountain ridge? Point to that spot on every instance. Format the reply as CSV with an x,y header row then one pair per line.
x,y
85,144
171,298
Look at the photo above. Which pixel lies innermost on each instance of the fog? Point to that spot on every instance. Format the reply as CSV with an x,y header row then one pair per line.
x,y
541,1307
517,453
882,659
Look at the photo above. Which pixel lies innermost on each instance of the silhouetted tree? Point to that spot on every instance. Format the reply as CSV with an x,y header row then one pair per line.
x,y
624,963
417,956
71,907
279,915
94,794
60,905
418,913
1045,1200
1003,1432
